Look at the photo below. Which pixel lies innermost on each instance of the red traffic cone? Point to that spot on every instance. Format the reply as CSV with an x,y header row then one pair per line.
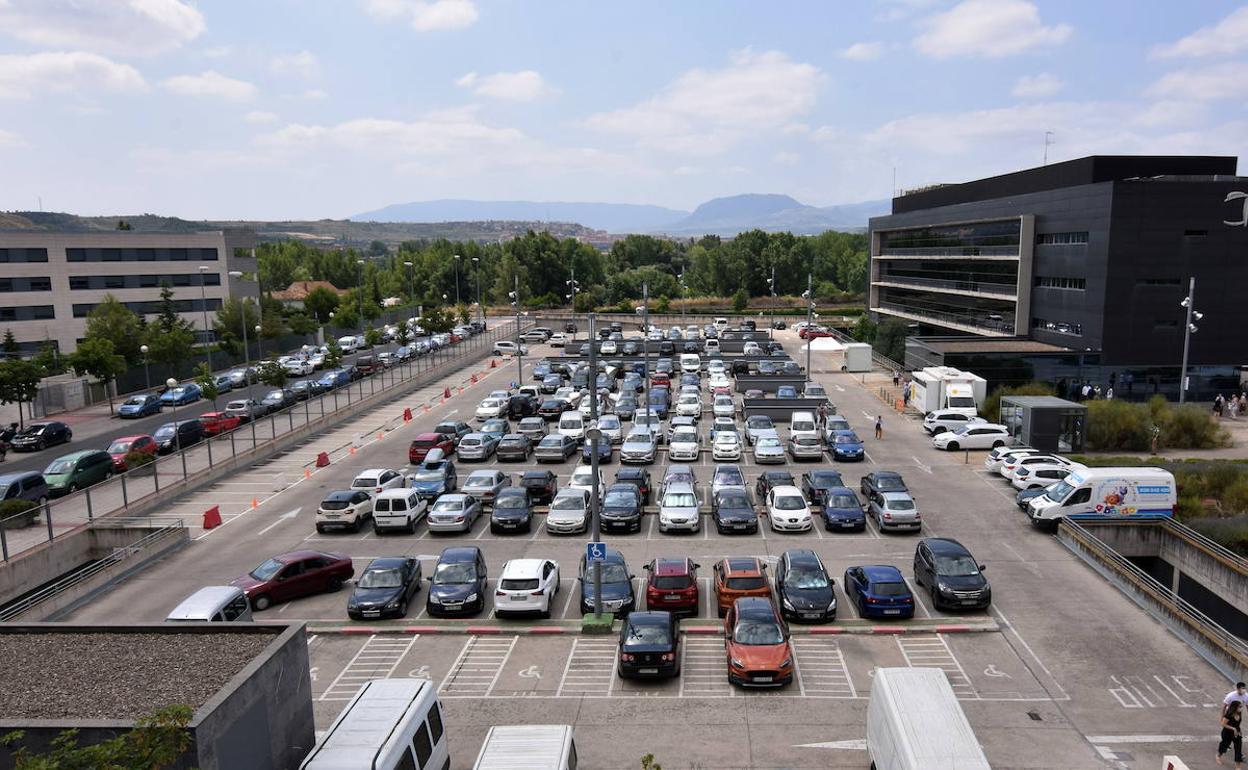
x,y
322,460
446,393
474,378
407,415
212,517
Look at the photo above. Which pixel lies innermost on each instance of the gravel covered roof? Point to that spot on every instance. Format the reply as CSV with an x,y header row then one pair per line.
x,y
117,674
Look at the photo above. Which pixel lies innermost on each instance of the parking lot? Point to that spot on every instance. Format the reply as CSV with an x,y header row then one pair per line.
x,y
1069,673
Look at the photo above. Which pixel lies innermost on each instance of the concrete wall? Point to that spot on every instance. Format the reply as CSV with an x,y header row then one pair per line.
x,y
780,409
768,383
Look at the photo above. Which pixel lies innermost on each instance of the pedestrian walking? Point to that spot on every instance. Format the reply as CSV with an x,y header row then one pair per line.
x,y
1240,694
1109,394
1156,434
896,378
1217,405
1096,392
879,426
823,416
1232,734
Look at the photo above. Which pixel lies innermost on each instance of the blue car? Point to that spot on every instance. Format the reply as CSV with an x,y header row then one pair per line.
x,y
335,379
842,510
617,586
846,446
140,405
879,591
434,478
457,583
181,394
786,391
604,450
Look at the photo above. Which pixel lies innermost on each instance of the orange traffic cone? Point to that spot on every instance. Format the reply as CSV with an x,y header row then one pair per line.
x,y
254,504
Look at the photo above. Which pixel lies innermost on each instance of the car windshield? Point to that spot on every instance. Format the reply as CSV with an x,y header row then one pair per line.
x,y
275,394
119,447
428,474
759,422
136,401
59,466
453,504
164,432
957,566
757,632
842,501
620,499
679,500
726,477
479,481
790,503
805,578
685,435
267,570
901,505
510,501
468,441
611,573
454,573
1059,491
364,482
890,484
381,578
890,588
734,500
768,442
568,503
847,439
647,633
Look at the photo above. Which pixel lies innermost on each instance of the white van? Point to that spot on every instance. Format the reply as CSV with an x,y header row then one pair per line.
x,y
513,747
1127,493
711,347
690,363
721,324
571,423
803,424
398,509
212,604
348,344
389,724
915,722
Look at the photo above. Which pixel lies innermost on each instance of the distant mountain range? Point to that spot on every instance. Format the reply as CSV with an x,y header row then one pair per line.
x,y
720,216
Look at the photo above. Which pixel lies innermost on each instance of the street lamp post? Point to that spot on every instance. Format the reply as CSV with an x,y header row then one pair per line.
x,y
476,268
645,343
457,281
592,436
203,301
1190,328
237,274
411,281
259,343
771,321
147,375
515,302
682,299
360,285
810,314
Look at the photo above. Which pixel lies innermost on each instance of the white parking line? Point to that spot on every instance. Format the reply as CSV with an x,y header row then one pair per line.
x,y
702,673
477,667
573,593
822,668
932,651
590,668
376,659
920,607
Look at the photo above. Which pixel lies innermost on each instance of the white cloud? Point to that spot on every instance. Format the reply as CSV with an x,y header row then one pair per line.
x,y
120,27
708,111
210,83
522,86
218,52
1226,38
301,63
1169,112
988,29
9,139
1036,86
426,15
1222,81
786,158
866,51
260,116
26,76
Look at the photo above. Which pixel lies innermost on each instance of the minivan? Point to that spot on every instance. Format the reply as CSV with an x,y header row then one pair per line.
x,y
77,470
388,725
213,604
26,485
398,509
508,747
571,424
348,344
802,423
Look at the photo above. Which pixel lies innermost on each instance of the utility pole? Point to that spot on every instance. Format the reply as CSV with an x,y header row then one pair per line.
x,y
592,436
1189,328
1048,140
519,354
645,344
810,312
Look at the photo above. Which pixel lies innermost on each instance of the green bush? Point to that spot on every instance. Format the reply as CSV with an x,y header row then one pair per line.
x,y
11,513
991,410
1190,427
138,459
1231,532
740,300
1115,425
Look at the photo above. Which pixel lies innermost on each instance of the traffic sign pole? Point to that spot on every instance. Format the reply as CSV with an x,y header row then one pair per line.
x,y
592,437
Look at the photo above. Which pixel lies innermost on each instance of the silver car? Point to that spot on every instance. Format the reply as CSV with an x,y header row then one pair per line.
x,y
611,428
805,447
684,444
453,512
484,485
569,512
533,427
476,446
678,508
555,447
758,425
638,447
723,406
768,448
894,510
246,409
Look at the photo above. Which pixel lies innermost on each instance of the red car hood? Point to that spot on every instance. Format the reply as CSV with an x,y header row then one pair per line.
x,y
757,656
247,583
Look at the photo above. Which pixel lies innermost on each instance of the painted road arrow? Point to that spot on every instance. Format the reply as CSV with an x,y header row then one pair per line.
x,y
859,744
280,519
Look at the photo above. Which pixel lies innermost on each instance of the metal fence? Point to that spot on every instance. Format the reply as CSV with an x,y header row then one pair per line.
x,y
169,475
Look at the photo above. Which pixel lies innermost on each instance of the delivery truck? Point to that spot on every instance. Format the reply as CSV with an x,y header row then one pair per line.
x,y
943,387
1118,493
915,722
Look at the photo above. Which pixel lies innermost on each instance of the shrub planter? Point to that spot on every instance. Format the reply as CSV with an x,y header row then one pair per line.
x,y
597,624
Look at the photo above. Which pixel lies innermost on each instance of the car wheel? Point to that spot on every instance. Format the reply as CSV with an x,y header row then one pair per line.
x,y
108,475
261,603
997,444
334,584
42,445
935,600
403,609
953,446
73,487
939,429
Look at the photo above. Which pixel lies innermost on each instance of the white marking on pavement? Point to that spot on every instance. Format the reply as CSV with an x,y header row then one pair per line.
x,y
280,519
1120,739
922,467
854,744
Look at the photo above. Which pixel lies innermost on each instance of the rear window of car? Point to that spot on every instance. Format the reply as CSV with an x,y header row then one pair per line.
x,y
512,584
672,582
890,589
745,583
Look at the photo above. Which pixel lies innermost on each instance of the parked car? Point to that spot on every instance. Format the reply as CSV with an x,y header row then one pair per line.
x,y
672,585
216,423
621,508
882,481
279,399
816,483
398,509
940,420
604,450
569,512
617,585
385,588
639,447
736,577
787,510
768,449
649,646
424,443
181,394
894,510
846,446
541,485
140,405
684,445
245,409
512,511
38,436
434,477
804,587
377,480
756,644
842,510
453,429
174,436
806,446
878,591
294,575
527,585
678,508
457,584
346,509
732,511
24,485
476,446
513,447
532,427
453,512
77,470
484,485
638,477
509,348
555,447
952,576
120,447
973,436
771,479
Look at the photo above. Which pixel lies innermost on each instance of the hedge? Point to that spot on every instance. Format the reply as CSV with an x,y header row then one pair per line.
x,y
1122,425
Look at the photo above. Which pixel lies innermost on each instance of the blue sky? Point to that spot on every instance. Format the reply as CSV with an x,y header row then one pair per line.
x,y
323,108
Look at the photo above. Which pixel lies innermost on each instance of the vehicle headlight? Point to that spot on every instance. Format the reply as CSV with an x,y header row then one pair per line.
x,y
737,664
392,605
786,663
832,604
473,597
787,604
944,587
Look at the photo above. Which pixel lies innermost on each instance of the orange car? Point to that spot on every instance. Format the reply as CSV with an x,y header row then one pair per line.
x,y
216,423
756,643
739,576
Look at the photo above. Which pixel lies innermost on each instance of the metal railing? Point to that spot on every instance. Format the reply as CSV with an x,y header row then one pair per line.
x,y
968,321
950,251
1004,290
169,475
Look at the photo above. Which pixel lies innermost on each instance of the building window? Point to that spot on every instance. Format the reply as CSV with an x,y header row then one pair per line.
x,y
27,313
143,281
978,239
1062,239
1195,235
1055,282
22,283
1165,324
23,255
1058,327
82,310
1159,282
140,255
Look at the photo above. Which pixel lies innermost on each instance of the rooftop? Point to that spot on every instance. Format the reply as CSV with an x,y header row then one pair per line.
x,y
1042,401
988,345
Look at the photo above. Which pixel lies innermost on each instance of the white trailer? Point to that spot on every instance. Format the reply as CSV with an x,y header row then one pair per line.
x,y
857,357
914,722
943,387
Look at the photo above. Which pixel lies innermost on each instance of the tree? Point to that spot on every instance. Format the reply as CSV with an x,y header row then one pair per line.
x,y
333,355
437,320
865,329
124,225
584,302
890,339
663,304
378,249
157,741
19,383
372,337
319,303
118,324
170,339
403,334
273,373
10,343
740,300
463,314
49,360
236,319
97,358
207,382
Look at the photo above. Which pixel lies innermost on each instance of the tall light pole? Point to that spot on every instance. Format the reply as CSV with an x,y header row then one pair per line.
x,y
203,302
1189,328
572,282
457,281
682,299
360,289
771,320
645,344
810,314
515,302
242,303
411,281
592,436
476,268
147,375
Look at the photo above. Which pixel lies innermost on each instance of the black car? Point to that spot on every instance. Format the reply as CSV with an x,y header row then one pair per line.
x,y
1024,496
617,585
621,508
779,325
691,346
815,484
625,408
454,429
551,383
384,588
279,398
804,588
305,389
541,486
667,348
950,573
649,646
552,408
631,348
882,481
540,370
638,477
512,511
521,405
732,511
457,585
514,446
771,479
173,436
41,435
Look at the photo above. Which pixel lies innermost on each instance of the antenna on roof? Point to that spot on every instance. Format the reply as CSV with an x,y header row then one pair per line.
x,y
1048,139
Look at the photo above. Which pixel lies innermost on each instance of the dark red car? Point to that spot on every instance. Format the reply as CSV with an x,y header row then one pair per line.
x,y
216,423
294,575
127,444
422,444
672,585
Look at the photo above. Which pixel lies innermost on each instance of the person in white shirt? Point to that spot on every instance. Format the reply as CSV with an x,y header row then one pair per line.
x,y
1240,693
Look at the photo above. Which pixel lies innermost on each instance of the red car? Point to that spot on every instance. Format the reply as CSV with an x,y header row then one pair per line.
x,y
422,444
216,423
294,575
127,444
811,332
659,379
672,585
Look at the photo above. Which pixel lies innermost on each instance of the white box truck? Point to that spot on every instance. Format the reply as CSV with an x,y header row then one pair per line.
x,y
528,747
914,722
1120,493
857,357
943,387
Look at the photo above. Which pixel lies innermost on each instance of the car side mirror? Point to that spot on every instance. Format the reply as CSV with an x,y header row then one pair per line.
x,y
632,577
982,567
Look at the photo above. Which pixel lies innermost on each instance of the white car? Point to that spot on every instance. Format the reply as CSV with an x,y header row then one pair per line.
x,y
377,480
345,508
569,394
941,420
788,510
684,444
509,348
398,509
1037,476
611,427
583,479
490,408
569,512
751,349
689,405
608,348
526,585
973,436
997,457
718,380
678,508
558,340
298,366
726,446
723,406
1009,468
572,425
715,365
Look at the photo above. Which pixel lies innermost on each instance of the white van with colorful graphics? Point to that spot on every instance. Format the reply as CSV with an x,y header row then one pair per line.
x,y
1118,493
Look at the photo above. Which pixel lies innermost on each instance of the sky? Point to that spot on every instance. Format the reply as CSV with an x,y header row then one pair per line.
x,y
309,109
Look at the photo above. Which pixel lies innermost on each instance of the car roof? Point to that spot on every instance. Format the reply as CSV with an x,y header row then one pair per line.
x,y
668,566
881,573
132,438
786,489
777,475
679,486
623,487
896,496
946,545
386,562
650,618
371,472
290,556
742,566
755,607
528,568
460,553
630,473
682,469
341,494
803,556
484,473
537,473
823,473
431,436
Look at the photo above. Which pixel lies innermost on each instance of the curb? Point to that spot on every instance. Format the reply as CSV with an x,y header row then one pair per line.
x,y
530,630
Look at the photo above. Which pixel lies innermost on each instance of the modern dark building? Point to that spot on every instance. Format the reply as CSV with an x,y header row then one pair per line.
x,y
1073,272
